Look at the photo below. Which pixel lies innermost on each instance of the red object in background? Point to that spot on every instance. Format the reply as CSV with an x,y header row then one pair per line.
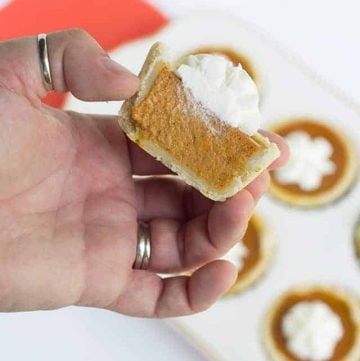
x,y
110,22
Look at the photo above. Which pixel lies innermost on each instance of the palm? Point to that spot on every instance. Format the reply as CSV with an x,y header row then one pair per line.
x,y
66,180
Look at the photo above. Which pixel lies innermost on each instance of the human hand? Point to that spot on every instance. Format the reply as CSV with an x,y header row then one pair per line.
x,y
69,206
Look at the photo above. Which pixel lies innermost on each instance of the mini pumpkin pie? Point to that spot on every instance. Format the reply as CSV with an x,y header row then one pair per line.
x,y
199,115
322,164
314,323
232,55
252,255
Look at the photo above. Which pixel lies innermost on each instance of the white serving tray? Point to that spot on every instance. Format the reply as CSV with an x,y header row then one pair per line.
x,y
314,246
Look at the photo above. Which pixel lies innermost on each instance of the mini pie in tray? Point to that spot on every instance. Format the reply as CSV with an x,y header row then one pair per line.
x,y
306,319
322,165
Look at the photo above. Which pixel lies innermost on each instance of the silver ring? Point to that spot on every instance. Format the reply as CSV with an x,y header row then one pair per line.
x,y
143,248
44,61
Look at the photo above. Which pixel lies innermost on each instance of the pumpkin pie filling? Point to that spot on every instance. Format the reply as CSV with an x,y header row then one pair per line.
x,y
171,118
339,157
336,304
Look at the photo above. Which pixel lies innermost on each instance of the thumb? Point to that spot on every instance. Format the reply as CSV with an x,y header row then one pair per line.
x,y
77,64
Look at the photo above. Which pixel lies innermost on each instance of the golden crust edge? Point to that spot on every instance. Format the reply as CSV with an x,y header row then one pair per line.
x,y
156,59
351,300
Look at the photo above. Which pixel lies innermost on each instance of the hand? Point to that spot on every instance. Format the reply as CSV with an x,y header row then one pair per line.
x,y
69,206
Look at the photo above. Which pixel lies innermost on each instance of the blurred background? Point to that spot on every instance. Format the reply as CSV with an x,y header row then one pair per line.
x,y
323,34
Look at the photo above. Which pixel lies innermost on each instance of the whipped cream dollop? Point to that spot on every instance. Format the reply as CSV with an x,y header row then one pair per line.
x,y
224,89
309,161
237,255
312,330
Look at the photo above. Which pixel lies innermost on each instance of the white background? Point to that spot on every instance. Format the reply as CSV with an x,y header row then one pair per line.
x,y
326,34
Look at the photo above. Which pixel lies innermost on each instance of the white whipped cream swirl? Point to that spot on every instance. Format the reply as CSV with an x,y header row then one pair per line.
x,y
309,161
312,330
224,89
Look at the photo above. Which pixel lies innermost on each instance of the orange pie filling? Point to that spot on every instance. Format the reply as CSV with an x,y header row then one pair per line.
x,y
339,157
172,119
336,304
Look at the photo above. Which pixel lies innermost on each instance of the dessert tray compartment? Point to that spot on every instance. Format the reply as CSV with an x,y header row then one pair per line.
x,y
313,246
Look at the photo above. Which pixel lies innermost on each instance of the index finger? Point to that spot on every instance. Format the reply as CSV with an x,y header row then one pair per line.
x,y
77,64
